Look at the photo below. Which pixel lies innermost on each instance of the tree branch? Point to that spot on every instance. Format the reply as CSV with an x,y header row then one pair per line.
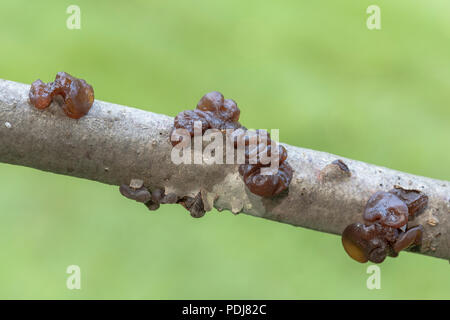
x,y
114,144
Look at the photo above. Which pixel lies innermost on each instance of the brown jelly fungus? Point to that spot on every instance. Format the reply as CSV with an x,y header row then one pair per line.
x,y
387,209
156,198
258,146
153,199
341,164
266,185
335,170
78,96
385,229
215,112
170,198
194,205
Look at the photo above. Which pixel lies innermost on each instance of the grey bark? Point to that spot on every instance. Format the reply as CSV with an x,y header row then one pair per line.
x,y
114,144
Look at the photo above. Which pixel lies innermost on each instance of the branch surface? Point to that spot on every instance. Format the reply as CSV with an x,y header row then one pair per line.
x,y
114,144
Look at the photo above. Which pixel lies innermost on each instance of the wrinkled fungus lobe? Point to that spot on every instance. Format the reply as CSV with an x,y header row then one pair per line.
x,y
341,164
384,231
266,185
334,171
215,112
78,96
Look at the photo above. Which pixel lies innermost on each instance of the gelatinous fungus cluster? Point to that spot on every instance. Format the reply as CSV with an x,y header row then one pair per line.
x,y
153,199
215,112
78,96
385,229
259,183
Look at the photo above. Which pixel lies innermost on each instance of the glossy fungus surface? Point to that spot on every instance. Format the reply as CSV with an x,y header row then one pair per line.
x,y
212,112
77,95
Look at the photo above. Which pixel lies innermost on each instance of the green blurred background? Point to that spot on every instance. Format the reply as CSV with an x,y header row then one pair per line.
x,y
310,68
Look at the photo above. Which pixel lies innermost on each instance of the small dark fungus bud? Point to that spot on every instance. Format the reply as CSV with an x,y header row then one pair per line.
x,y
157,195
385,231
266,185
152,206
194,205
414,199
387,209
334,171
197,208
140,195
215,112
78,96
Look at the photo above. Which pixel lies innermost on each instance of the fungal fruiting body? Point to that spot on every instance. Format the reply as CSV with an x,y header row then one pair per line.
x,y
384,231
153,199
78,96
138,194
194,205
387,209
334,171
215,112
415,200
258,182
